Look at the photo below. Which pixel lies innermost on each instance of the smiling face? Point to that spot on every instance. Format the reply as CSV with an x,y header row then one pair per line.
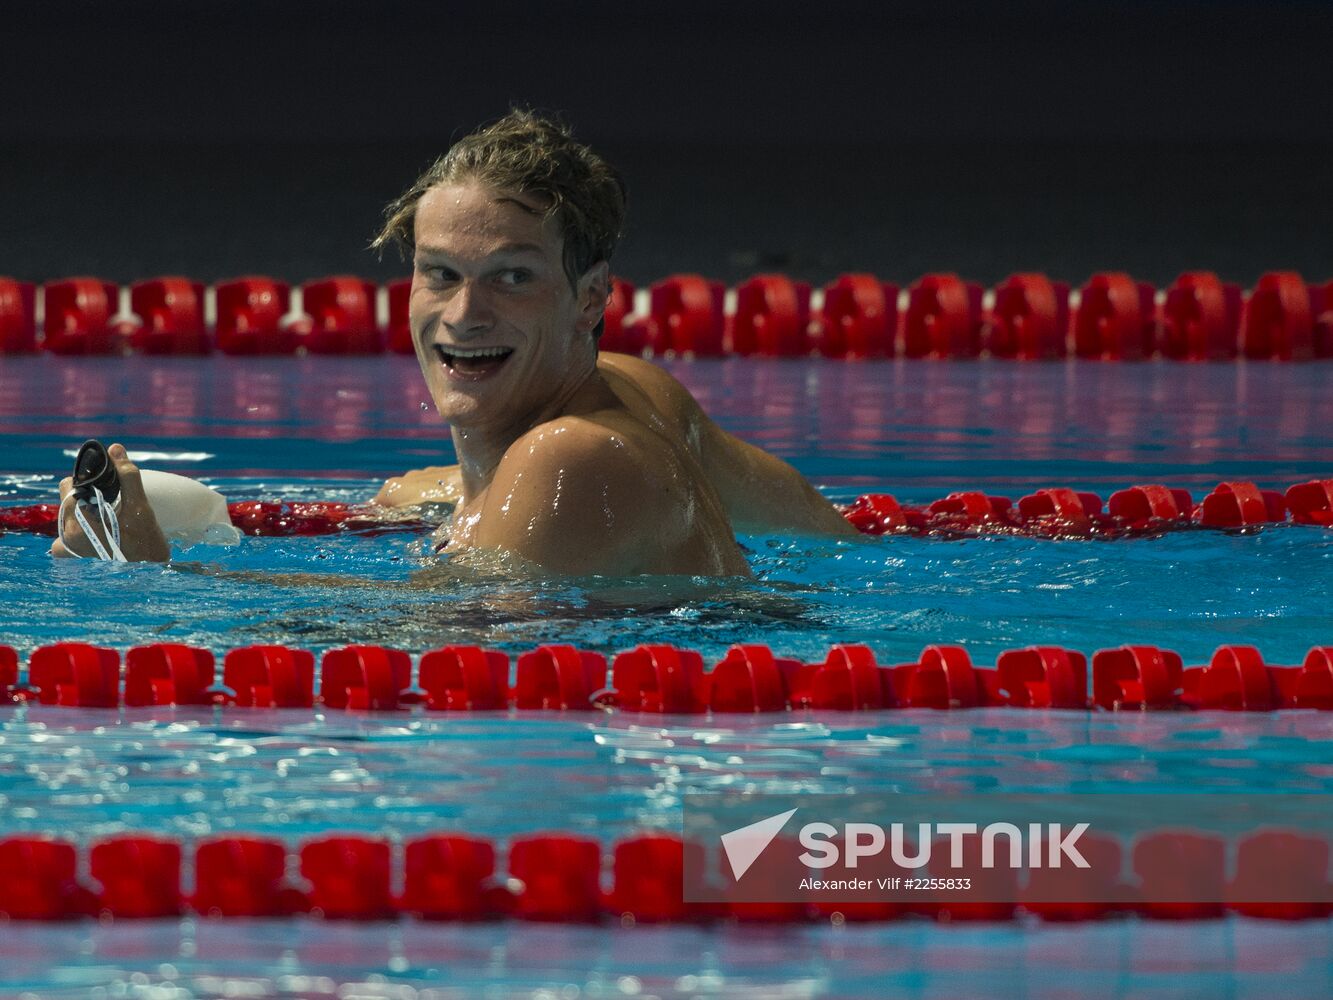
x,y
500,334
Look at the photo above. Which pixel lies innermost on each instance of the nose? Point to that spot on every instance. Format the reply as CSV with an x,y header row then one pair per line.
x,y
467,312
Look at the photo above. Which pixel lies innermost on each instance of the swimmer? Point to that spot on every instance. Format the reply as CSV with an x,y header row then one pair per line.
x,y
574,463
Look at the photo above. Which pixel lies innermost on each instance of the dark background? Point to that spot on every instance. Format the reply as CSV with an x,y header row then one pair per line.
x,y
214,139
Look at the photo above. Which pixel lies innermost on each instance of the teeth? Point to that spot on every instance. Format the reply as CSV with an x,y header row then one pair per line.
x,y
475,352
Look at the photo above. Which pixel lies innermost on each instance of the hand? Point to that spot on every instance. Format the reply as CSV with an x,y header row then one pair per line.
x,y
436,484
141,538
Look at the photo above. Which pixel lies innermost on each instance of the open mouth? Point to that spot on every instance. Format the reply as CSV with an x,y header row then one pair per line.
x,y
473,362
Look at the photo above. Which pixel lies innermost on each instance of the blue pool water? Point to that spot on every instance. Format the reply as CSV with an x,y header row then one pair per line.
x,y
333,429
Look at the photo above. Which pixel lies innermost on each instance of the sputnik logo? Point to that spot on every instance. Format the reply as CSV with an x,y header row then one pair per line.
x,y
743,846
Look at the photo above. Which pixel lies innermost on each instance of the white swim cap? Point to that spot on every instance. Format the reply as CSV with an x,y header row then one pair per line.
x,y
188,511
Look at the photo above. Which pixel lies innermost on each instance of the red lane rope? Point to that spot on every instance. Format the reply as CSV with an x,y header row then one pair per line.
x,y
1026,317
1055,512
558,877
749,678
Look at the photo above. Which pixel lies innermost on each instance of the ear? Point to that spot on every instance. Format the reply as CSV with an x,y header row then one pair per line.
x,y
593,289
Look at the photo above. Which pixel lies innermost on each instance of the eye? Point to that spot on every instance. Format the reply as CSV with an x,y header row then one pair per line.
x,y
437,274
515,276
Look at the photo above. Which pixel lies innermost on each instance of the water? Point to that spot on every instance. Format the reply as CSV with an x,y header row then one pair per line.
x,y
333,429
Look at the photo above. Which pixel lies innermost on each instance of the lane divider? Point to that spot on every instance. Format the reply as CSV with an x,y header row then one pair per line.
x,y
561,878
1055,512
1113,317
658,679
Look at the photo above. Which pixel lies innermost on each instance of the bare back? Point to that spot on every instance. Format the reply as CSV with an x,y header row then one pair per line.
x,y
760,492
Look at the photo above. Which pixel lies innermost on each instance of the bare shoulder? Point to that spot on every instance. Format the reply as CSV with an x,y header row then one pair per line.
x,y
613,446
578,495
660,388
759,491
642,371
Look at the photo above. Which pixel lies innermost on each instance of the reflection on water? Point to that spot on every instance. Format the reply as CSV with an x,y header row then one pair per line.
x,y
457,601
886,425
1188,591
419,960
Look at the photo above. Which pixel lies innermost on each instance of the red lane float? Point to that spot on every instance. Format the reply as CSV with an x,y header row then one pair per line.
x,y
648,878
317,517
75,674
449,877
859,318
1140,508
558,877
250,314
170,313
943,319
1136,677
168,673
558,677
749,678
1236,505
1115,319
9,673
398,333
1321,297
342,316
1029,320
685,316
666,679
140,877
849,680
1193,864
1238,679
1279,863
1311,503
1044,677
348,877
880,514
1278,319
39,880
465,678
243,877
269,677
35,519
772,318
365,677
619,304
1047,513
659,679
942,678
1094,893
18,316
79,312
1200,319
1060,511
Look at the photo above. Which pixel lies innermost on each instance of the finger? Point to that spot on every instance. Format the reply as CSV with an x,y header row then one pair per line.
x,y
131,483
386,494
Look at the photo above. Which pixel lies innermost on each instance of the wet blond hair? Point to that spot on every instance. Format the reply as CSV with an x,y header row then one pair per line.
x,y
530,154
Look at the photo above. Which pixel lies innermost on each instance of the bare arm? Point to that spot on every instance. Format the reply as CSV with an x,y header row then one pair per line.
x,y
761,492
433,484
577,500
